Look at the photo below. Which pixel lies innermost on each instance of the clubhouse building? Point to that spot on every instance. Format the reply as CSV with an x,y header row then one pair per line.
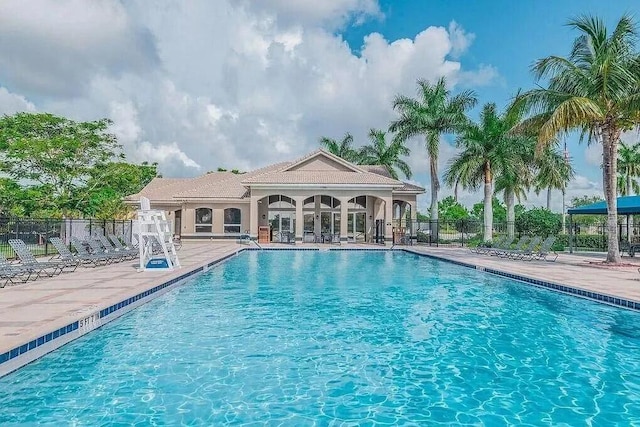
x,y
317,198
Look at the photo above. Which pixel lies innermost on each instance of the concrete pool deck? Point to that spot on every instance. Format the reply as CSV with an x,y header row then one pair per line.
x,y
28,311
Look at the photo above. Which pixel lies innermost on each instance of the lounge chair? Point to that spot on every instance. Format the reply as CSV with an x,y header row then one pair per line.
x,y
82,252
505,244
14,273
49,268
98,249
544,251
526,251
110,248
65,254
520,245
127,242
483,247
119,246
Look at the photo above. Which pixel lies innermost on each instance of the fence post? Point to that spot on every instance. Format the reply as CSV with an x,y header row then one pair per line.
x,y
46,237
70,231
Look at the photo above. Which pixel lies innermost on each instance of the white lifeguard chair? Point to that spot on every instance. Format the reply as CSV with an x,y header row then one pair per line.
x,y
155,240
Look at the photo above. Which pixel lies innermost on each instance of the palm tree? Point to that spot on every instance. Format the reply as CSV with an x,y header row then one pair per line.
x,y
383,154
343,148
595,90
554,172
434,113
488,149
628,169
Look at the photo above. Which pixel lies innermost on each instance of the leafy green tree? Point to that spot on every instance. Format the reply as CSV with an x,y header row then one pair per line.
x,y
595,91
11,198
450,210
54,151
343,148
539,222
488,149
108,184
434,113
583,201
388,155
499,211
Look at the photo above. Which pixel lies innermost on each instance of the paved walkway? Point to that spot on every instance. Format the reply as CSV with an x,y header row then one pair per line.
x,y
31,309
578,271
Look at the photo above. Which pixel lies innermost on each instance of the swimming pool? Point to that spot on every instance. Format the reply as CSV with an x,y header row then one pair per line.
x,y
332,338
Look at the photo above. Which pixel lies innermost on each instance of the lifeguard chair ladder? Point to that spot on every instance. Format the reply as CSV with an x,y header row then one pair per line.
x,y
154,227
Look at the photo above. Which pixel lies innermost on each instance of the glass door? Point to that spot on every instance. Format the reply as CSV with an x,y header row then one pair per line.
x,y
356,226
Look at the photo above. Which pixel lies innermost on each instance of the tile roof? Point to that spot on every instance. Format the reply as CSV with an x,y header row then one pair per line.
x,y
226,185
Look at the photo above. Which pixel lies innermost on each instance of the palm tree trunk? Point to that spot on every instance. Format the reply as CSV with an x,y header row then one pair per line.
x,y
433,166
629,217
510,201
610,137
488,206
549,198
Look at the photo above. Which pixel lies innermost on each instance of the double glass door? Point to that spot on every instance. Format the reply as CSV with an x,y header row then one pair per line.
x,y
283,225
356,226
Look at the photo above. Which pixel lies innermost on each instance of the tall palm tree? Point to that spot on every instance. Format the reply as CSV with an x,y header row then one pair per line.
x,y
387,155
554,172
628,169
595,90
343,148
435,112
487,149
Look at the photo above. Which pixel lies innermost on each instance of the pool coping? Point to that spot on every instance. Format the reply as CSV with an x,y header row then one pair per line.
x,y
26,353
598,297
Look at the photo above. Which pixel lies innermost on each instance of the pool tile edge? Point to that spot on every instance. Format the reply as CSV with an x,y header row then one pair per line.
x,y
32,350
598,297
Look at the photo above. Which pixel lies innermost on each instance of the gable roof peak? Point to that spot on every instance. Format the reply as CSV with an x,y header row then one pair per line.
x,y
324,153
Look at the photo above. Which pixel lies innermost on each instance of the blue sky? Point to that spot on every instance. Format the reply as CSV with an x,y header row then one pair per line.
x,y
509,35
245,83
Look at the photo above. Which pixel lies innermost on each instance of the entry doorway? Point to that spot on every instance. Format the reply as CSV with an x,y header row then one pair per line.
x,y
356,227
177,223
283,226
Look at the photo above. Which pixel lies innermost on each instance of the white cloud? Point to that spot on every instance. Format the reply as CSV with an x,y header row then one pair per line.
x,y
225,83
593,155
55,47
11,103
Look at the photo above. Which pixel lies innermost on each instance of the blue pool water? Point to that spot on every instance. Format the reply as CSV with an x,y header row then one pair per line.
x,y
342,338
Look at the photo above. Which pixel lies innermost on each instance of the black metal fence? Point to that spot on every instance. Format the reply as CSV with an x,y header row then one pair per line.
x,y
582,237
37,232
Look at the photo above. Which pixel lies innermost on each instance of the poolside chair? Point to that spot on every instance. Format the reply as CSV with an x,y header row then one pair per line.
x,y
98,249
49,268
544,251
497,247
110,248
483,247
82,252
119,246
526,251
127,242
85,259
13,273
519,246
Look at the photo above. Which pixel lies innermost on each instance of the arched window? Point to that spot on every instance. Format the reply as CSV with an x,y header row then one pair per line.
x,y
232,220
204,220
281,202
359,202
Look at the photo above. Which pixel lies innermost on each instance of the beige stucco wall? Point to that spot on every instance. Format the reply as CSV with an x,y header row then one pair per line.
x,y
379,206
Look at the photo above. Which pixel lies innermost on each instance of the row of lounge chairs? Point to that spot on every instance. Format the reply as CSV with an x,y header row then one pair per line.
x,y
92,251
527,248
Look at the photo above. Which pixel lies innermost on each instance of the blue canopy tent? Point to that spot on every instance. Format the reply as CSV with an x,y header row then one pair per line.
x,y
627,205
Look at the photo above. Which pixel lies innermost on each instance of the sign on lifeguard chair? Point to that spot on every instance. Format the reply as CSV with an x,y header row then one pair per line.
x,y
155,240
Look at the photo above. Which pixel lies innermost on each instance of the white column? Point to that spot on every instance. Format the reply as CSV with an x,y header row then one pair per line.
x,y
388,220
299,218
316,216
253,215
344,215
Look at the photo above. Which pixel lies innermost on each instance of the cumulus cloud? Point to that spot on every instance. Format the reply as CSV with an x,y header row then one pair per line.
x,y
11,103
227,83
51,47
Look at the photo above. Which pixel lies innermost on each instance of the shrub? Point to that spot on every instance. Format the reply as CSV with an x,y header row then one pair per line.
x,y
539,222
